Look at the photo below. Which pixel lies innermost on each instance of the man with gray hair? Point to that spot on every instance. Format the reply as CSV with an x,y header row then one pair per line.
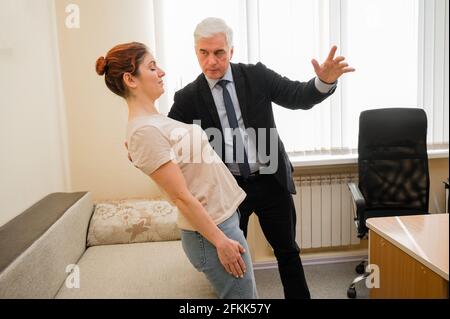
x,y
236,100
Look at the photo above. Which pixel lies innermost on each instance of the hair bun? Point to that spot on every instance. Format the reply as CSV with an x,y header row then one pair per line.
x,y
100,66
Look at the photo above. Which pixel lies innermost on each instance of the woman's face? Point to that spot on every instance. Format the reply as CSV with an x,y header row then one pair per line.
x,y
149,82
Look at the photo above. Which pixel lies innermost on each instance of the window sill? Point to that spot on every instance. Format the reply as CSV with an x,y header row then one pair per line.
x,y
324,160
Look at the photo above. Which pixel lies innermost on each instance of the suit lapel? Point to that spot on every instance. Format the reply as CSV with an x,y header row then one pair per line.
x,y
209,102
239,84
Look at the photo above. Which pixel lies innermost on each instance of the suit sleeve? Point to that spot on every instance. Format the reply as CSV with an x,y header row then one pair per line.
x,y
178,112
291,94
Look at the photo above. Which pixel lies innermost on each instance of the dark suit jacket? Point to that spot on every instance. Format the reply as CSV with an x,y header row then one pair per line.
x,y
256,87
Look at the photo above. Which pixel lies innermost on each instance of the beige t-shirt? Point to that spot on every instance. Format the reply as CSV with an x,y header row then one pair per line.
x,y
156,139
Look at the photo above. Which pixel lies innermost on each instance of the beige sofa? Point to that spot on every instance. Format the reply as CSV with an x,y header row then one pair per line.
x,y
44,254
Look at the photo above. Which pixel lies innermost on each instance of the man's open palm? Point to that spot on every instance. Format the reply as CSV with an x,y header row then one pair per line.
x,y
330,70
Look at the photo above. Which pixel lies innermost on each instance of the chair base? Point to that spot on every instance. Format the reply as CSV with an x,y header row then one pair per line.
x,y
360,269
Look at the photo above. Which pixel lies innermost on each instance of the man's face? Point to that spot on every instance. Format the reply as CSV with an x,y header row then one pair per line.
x,y
214,55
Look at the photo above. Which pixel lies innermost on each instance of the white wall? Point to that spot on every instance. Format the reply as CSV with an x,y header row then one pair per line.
x,y
96,117
32,149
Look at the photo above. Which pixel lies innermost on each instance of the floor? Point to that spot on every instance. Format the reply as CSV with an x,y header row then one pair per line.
x,y
326,281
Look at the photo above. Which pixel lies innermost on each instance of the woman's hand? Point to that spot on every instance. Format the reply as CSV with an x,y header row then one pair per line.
x,y
229,252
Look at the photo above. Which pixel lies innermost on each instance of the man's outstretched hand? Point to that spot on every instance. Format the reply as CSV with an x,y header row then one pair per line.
x,y
330,70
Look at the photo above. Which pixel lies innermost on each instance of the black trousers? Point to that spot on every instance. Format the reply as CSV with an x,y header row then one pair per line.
x,y
275,209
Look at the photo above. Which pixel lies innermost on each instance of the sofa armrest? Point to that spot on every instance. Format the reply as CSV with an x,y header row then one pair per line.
x,y
38,245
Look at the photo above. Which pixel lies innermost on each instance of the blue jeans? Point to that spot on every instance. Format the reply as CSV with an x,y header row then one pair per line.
x,y
203,256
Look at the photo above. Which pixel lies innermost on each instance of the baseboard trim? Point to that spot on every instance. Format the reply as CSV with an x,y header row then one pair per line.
x,y
318,259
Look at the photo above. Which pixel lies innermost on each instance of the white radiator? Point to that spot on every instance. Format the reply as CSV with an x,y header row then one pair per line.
x,y
324,211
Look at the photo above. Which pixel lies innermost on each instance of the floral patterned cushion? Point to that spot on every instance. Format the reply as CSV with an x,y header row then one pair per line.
x,y
132,221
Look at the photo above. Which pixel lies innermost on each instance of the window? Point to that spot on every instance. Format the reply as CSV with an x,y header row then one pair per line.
x,y
380,38
398,47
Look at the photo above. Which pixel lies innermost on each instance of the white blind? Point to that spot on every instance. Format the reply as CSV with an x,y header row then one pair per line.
x,y
398,47
433,69
380,38
291,33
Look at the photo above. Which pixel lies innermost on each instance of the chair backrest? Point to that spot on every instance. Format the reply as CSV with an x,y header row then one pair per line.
x,y
393,160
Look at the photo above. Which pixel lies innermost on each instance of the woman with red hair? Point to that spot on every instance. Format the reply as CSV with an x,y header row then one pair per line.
x,y
192,175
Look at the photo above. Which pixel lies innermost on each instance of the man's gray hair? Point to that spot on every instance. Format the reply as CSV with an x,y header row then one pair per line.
x,y
212,26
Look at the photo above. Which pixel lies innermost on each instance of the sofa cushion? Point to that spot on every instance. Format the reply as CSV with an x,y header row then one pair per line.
x,y
144,270
132,221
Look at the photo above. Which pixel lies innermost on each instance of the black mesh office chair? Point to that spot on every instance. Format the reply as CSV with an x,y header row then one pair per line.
x,y
392,169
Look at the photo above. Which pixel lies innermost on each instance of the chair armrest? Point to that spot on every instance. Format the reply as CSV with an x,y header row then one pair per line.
x,y
358,199
360,207
447,195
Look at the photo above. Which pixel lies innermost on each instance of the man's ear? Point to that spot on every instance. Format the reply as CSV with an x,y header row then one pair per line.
x,y
129,80
231,52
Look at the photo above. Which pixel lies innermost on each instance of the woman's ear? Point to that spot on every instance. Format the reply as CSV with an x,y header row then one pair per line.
x,y
129,80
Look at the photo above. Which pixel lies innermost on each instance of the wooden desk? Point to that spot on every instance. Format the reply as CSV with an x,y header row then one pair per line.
x,y
412,255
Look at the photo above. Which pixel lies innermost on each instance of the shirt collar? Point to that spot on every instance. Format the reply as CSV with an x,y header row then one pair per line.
x,y
227,76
